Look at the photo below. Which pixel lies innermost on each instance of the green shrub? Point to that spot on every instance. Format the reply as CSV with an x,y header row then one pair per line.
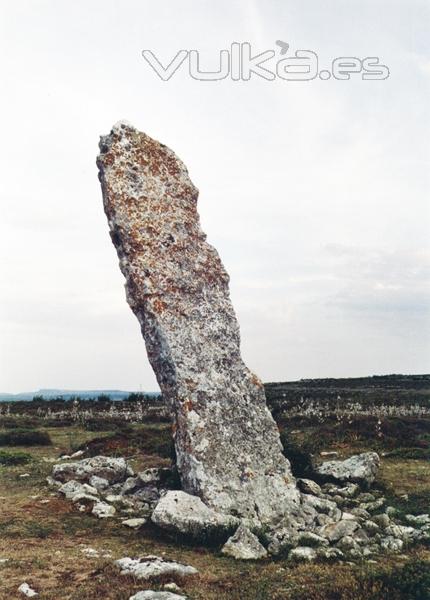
x,y
11,459
410,582
25,437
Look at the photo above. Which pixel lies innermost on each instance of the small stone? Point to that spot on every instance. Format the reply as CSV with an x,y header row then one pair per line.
x,y
302,554
391,544
308,538
134,523
418,520
84,499
151,567
347,516
102,510
349,491
151,595
171,587
391,511
308,486
366,497
330,553
90,552
373,506
99,483
361,513
244,545
371,527
282,541
333,532
25,589
77,454
383,520
347,543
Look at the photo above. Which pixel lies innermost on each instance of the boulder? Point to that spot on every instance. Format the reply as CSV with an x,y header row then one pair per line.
x,y
361,469
244,545
153,567
105,467
187,515
227,443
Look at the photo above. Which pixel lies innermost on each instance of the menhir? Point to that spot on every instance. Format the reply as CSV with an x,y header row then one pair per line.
x,y
227,443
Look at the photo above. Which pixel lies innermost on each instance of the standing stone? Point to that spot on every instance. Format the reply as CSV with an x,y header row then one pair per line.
x,y
227,443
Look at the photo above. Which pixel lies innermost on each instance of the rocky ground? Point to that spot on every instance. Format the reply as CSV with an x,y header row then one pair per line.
x,y
96,541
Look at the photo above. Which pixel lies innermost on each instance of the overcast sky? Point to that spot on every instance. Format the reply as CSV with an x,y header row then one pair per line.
x,y
316,194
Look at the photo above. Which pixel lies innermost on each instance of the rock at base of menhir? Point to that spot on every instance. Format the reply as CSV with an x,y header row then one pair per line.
x,y
186,515
361,469
244,545
104,467
227,444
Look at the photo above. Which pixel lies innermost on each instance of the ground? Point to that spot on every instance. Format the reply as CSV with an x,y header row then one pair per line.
x,y
44,537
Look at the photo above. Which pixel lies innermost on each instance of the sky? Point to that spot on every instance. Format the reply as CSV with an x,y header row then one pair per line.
x,y
315,193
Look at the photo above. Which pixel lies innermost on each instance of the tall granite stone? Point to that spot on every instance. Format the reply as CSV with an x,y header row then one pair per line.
x,y
227,443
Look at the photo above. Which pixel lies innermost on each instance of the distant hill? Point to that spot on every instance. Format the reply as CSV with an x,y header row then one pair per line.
x,y
376,388
50,394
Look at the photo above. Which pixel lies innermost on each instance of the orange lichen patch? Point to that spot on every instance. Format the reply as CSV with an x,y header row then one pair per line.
x,y
159,306
256,381
187,405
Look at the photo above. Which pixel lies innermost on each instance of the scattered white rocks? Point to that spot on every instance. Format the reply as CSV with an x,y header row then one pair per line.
x,y
244,545
182,513
25,589
152,567
361,468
